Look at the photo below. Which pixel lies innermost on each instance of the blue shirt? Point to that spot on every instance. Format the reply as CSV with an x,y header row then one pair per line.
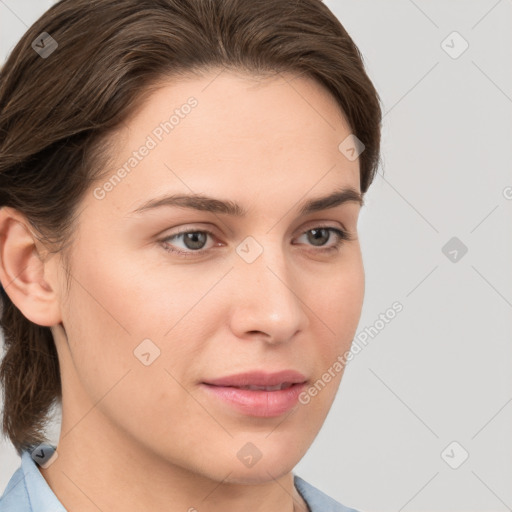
x,y
28,491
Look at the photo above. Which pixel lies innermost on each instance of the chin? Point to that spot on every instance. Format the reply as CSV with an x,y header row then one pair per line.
x,y
259,474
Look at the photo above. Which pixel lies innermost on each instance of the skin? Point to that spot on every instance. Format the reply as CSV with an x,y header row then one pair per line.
x,y
138,437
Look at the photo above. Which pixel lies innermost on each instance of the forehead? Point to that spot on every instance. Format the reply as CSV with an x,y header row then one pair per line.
x,y
234,110
232,134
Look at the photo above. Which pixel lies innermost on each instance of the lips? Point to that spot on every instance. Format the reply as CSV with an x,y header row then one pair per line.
x,y
257,393
260,380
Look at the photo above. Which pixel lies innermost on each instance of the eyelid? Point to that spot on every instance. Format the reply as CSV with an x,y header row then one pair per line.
x,y
314,224
320,223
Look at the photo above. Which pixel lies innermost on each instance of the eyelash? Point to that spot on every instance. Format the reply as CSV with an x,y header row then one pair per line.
x,y
342,237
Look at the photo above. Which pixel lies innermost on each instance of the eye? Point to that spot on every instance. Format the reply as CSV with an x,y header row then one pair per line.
x,y
318,236
195,240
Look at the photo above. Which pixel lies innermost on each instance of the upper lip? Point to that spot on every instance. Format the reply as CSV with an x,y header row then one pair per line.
x,y
259,378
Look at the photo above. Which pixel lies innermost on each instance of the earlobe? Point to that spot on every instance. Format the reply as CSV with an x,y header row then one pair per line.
x,y
22,270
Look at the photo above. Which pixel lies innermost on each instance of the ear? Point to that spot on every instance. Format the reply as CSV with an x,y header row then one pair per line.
x,y
22,270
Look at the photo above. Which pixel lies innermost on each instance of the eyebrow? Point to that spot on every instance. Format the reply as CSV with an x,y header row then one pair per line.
x,y
227,207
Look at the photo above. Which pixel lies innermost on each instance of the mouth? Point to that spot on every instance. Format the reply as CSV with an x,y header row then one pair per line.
x,y
277,387
257,394
259,380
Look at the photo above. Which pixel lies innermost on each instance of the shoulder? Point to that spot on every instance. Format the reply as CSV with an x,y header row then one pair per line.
x,y
28,491
15,496
317,500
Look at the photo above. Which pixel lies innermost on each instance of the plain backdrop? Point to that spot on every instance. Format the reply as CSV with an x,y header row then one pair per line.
x,y
422,421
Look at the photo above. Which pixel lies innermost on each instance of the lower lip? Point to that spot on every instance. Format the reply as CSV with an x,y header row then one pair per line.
x,y
264,404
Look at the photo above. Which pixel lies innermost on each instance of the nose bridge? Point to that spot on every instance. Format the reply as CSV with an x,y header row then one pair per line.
x,y
268,300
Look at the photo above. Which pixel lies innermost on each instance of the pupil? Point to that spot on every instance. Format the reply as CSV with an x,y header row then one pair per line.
x,y
320,232
195,240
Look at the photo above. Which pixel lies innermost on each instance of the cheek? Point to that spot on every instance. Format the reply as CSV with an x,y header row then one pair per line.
x,y
339,301
350,301
337,307
100,347
104,329
114,307
100,318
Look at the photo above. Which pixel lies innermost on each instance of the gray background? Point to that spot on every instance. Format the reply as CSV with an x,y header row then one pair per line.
x,y
440,371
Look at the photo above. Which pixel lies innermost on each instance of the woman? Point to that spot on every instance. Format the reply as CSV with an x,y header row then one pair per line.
x,y
180,184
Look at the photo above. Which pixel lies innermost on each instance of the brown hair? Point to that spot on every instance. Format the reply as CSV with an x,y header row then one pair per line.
x,y
57,110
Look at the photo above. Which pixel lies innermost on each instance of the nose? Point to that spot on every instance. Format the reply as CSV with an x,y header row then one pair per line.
x,y
268,299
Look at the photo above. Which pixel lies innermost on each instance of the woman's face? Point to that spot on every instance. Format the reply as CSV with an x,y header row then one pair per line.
x,y
256,287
